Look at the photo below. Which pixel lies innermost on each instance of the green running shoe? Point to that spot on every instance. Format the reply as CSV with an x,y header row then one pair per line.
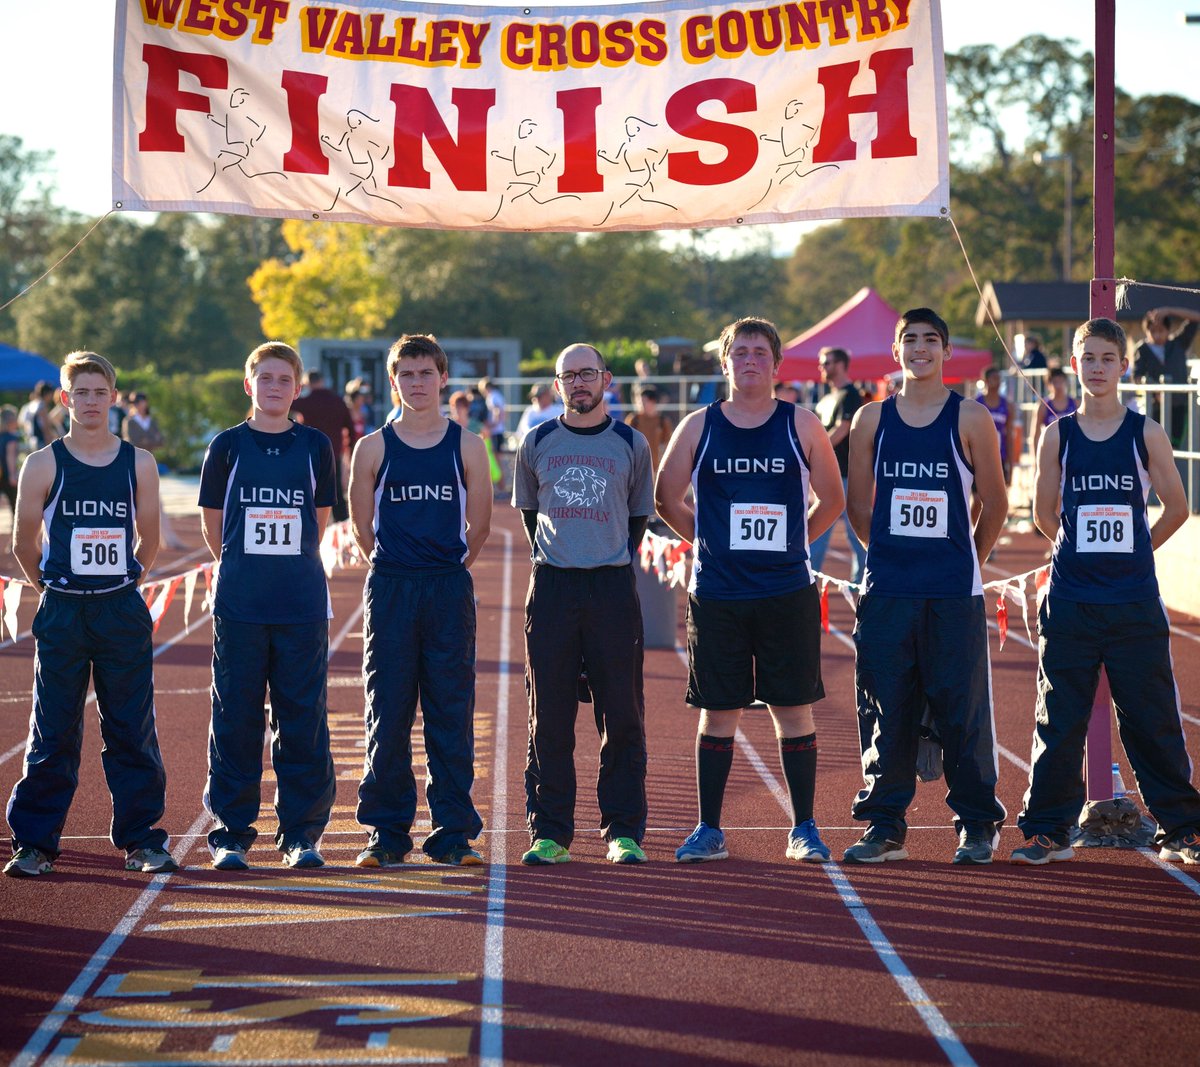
x,y
545,851
625,850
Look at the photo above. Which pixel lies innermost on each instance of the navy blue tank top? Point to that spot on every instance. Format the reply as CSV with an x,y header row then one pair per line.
x,y
268,487
89,523
1103,554
921,544
751,493
420,505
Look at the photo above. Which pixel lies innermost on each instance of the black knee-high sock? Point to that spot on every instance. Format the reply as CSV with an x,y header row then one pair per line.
x,y
798,755
714,757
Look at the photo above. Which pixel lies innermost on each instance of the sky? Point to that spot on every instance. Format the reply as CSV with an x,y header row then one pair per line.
x,y
1156,53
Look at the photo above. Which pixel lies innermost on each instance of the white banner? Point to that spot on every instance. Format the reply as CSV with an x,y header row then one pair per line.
x,y
643,116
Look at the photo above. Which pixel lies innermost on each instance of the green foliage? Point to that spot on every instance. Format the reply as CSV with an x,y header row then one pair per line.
x,y
330,286
26,218
189,408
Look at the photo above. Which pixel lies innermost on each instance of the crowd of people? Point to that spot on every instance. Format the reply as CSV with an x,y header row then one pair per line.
x,y
753,482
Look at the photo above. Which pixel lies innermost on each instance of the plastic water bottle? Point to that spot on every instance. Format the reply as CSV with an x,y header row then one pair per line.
x,y
1118,784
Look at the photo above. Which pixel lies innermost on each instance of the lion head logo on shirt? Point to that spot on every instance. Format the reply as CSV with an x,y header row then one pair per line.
x,y
580,486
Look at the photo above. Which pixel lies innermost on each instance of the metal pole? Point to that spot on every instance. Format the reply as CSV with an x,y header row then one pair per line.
x,y
1103,303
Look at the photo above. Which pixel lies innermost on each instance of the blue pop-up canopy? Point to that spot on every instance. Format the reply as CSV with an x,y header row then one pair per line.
x,y
23,370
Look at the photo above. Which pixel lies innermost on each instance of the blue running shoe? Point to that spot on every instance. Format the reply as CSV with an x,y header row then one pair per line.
x,y
804,843
705,843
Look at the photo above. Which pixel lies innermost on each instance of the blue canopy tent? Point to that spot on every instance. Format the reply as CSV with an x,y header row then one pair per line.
x,y
23,370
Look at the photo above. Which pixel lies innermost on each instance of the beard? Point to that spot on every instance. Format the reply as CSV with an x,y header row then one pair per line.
x,y
583,405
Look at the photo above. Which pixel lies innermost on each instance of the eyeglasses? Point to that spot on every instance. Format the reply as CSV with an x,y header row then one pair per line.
x,y
587,376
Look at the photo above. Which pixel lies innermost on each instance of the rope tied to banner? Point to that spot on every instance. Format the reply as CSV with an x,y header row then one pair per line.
x,y
58,262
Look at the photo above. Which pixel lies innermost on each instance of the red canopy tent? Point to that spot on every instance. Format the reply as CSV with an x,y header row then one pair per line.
x,y
864,325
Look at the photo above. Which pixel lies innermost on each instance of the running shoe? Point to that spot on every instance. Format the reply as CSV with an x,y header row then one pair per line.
x,y
1041,849
230,858
974,848
302,854
378,856
703,844
804,843
875,847
28,863
1182,849
545,851
150,861
625,850
460,856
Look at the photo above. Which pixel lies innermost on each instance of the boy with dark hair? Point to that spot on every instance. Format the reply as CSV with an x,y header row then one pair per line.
x,y
1096,468
94,500
921,631
266,489
421,508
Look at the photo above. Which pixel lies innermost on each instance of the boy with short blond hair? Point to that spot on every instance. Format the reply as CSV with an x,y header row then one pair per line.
x,y
1095,469
266,489
91,499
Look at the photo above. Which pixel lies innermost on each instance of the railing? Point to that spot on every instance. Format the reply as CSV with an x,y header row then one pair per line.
x,y
1175,407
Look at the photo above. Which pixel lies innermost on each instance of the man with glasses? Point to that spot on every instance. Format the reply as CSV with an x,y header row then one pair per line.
x,y
584,485
836,411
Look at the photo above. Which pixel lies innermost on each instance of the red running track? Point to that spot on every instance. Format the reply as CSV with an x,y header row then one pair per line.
x,y
751,961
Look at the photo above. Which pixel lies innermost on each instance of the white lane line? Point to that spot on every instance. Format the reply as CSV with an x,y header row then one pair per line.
x,y
53,1022
941,1031
1172,869
491,1029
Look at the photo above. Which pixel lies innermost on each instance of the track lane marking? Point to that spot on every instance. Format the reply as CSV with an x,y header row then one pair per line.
x,y
941,1031
40,1040
491,1027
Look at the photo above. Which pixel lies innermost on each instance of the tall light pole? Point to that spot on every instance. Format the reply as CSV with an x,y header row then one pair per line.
x,y
1068,162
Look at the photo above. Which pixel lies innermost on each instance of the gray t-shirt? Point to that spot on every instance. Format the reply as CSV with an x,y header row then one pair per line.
x,y
585,486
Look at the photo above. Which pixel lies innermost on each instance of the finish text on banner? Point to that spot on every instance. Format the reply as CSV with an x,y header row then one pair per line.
x,y
643,116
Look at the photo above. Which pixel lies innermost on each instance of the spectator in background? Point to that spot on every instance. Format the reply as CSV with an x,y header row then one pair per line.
x,y
394,412
1161,358
1058,403
787,392
322,409
1032,356
116,417
997,404
10,448
542,408
141,430
651,423
362,410
37,417
613,404
459,410
495,423
836,411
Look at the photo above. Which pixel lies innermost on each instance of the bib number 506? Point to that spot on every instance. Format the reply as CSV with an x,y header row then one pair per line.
x,y
99,555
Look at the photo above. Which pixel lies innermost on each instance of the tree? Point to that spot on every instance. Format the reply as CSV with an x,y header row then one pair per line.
x,y
118,293
27,217
328,288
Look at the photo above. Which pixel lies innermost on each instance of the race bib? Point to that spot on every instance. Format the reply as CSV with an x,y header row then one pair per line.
x,y
1104,528
919,513
762,527
98,551
272,532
